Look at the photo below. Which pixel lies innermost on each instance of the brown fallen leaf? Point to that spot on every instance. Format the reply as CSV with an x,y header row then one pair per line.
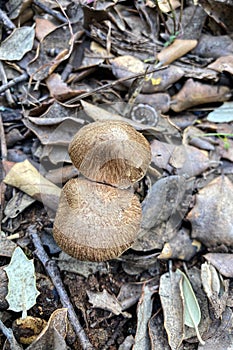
x,y
26,177
52,336
223,64
211,217
59,89
176,50
222,261
43,28
194,93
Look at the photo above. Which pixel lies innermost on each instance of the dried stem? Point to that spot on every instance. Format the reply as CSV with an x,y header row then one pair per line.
x,y
54,274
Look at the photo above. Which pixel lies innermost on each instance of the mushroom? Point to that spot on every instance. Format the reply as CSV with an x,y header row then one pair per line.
x,y
97,218
111,152
95,221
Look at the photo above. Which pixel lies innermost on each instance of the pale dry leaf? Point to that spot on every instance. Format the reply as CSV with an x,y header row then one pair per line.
x,y
106,301
22,292
10,50
222,114
26,177
144,311
169,291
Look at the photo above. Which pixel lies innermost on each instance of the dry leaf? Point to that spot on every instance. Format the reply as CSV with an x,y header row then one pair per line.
x,y
176,50
168,6
144,310
222,114
211,217
222,261
213,47
25,177
106,301
10,50
223,64
59,89
22,292
169,291
52,336
43,28
195,93
215,288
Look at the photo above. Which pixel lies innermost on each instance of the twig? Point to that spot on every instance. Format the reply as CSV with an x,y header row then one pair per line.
x,y
14,345
54,274
4,157
6,20
51,12
119,81
13,82
4,80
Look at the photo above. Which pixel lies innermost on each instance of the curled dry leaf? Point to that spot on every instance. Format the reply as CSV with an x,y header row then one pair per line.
x,y
169,292
211,217
144,311
195,93
25,177
52,336
215,288
176,50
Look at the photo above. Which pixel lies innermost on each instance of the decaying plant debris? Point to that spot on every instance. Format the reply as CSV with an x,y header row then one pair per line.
x,y
165,68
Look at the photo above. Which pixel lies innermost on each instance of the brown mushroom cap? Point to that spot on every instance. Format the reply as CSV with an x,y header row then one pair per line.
x,y
111,152
96,222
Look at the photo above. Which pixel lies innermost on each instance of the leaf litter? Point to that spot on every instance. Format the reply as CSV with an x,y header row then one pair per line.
x,y
166,69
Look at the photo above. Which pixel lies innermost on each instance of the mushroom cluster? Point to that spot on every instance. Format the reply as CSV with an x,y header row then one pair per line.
x,y
99,216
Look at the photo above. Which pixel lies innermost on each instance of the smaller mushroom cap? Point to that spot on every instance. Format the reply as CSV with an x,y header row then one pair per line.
x,y
96,222
111,152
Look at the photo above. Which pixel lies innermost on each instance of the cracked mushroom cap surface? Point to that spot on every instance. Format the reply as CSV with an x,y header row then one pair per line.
x,y
96,222
111,152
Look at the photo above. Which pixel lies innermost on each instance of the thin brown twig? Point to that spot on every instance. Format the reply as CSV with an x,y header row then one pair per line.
x,y
54,274
116,82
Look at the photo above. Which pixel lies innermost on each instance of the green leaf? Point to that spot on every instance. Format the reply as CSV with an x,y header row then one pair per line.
x,y
192,312
22,292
